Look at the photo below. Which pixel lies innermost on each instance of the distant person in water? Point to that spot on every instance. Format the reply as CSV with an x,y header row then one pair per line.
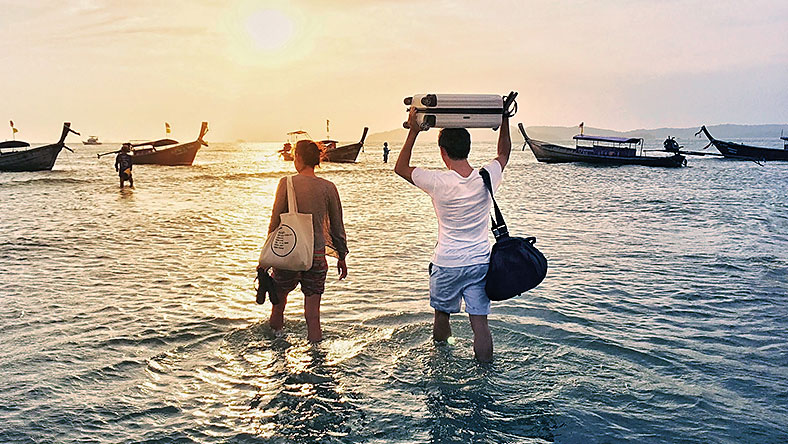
x,y
386,151
462,204
123,165
320,198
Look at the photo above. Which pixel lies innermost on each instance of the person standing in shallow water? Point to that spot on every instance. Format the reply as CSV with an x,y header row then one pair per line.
x,y
320,198
386,151
462,204
123,165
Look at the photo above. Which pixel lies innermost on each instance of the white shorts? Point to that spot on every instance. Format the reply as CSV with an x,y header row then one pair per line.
x,y
450,285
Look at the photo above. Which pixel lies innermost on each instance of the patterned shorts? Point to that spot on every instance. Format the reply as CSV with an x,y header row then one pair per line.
x,y
313,281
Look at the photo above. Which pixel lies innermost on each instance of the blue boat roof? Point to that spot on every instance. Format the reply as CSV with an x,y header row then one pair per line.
x,y
608,139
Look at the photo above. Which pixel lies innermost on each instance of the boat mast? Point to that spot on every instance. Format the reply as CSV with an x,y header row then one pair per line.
x,y
328,137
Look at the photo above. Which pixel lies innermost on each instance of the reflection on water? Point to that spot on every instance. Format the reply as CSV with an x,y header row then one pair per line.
x,y
128,315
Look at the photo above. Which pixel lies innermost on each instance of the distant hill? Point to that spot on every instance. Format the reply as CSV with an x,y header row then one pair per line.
x,y
724,131
558,133
397,136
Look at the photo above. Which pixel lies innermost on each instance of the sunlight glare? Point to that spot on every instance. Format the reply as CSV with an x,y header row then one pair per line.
x,y
269,29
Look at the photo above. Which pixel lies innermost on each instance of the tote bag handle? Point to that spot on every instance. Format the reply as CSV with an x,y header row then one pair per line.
x,y
292,206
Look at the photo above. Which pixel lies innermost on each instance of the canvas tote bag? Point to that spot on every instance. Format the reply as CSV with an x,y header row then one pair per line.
x,y
291,245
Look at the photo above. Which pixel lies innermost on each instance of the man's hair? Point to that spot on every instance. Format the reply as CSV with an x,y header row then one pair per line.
x,y
308,151
456,142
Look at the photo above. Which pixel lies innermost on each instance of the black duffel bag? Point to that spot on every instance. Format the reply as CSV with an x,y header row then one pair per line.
x,y
516,266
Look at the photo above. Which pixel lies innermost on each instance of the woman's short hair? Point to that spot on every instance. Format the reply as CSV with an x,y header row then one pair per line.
x,y
309,152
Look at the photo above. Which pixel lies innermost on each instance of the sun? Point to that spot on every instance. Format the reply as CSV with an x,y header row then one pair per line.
x,y
269,29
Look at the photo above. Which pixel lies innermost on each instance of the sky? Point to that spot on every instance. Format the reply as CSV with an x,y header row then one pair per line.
x,y
257,69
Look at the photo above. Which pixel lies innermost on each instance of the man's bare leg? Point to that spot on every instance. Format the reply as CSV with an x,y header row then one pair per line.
x,y
482,338
441,328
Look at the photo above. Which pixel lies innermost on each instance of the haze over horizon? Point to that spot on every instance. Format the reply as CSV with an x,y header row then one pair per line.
x,y
258,69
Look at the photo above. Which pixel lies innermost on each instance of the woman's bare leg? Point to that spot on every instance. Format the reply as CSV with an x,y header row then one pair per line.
x,y
277,319
312,315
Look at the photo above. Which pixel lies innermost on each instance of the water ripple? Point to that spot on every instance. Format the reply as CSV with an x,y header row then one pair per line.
x,y
129,316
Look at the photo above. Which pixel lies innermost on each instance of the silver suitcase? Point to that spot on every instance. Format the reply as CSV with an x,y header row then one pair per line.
x,y
460,110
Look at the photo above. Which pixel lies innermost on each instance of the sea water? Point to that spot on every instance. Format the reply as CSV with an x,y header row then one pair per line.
x,y
129,316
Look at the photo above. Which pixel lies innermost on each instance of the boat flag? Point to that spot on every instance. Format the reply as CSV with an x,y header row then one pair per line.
x,y
581,127
167,127
13,130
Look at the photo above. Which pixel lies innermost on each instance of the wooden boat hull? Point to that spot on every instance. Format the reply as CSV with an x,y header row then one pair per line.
x,y
549,153
36,159
345,153
342,154
740,151
41,158
177,155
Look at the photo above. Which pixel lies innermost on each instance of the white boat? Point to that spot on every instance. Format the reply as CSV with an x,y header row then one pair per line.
x,y
92,140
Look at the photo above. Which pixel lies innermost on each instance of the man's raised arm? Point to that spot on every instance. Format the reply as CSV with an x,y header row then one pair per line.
x,y
504,143
403,167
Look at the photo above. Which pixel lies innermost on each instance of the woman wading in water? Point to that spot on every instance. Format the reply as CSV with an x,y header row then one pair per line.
x,y
320,198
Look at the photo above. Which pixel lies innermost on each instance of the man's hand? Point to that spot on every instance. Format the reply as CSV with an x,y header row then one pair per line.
x,y
342,269
413,121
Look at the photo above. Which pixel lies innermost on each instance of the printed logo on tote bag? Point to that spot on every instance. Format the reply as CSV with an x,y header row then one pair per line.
x,y
285,240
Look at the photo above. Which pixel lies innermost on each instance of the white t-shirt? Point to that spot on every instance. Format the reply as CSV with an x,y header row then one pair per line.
x,y
462,205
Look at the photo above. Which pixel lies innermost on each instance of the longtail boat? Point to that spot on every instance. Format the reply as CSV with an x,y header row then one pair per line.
x,y
600,150
286,153
148,153
329,151
343,154
182,154
40,158
746,152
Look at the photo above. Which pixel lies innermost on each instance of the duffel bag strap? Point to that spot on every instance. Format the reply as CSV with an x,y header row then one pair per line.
x,y
499,228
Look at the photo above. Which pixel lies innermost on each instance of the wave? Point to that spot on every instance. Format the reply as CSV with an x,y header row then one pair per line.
x,y
47,181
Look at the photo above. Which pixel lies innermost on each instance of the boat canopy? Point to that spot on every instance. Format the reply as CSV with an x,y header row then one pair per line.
x,y
608,139
13,144
296,132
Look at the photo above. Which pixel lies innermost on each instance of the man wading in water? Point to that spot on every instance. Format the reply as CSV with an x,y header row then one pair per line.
x,y
123,164
462,204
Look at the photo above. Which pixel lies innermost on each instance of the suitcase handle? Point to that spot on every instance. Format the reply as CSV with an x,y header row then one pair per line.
x,y
509,104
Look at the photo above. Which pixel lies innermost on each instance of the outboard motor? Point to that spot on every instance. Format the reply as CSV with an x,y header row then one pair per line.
x,y
671,145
